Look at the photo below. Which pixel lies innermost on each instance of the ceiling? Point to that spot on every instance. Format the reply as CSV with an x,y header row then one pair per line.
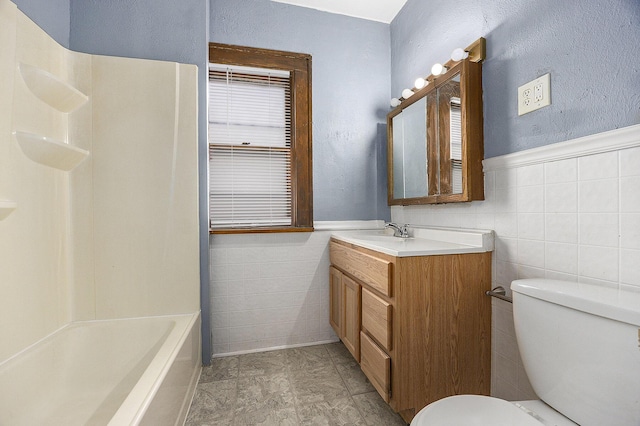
x,y
374,10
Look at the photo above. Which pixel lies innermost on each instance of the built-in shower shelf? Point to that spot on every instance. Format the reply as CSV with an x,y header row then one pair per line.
x,y
50,152
51,90
6,208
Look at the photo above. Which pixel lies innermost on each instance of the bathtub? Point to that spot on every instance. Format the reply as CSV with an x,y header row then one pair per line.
x,y
112,372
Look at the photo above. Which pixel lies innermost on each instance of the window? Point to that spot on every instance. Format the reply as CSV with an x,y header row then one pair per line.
x,y
259,140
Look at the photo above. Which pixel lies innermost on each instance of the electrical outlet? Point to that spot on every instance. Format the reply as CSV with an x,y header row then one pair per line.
x,y
534,94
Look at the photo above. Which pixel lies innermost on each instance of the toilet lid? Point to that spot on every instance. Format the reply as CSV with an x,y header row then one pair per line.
x,y
473,410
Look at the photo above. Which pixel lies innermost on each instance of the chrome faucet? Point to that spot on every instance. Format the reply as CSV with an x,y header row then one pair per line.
x,y
398,231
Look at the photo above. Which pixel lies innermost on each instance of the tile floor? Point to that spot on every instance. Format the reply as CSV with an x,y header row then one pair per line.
x,y
313,385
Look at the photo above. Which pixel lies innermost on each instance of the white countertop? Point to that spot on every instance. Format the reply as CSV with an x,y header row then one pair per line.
x,y
423,241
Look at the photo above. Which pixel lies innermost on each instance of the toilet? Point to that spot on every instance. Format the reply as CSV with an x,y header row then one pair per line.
x,y
580,346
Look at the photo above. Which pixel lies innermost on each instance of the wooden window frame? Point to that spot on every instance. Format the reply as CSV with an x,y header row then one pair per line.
x,y
299,65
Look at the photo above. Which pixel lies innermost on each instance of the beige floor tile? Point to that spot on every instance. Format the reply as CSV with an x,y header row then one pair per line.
x,y
314,385
281,417
262,363
213,404
317,385
339,353
220,369
307,357
338,412
264,393
354,378
376,412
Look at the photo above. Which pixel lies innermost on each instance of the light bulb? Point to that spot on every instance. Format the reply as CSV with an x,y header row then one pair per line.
x,y
407,93
438,69
395,102
459,54
420,83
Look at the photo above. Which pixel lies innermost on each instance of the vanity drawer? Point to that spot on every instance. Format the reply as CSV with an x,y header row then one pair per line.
x,y
376,318
376,365
371,270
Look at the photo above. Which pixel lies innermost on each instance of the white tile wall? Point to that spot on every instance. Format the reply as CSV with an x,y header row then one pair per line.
x,y
574,217
512,382
269,291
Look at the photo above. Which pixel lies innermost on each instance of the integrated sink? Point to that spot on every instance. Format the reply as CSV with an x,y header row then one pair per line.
x,y
423,241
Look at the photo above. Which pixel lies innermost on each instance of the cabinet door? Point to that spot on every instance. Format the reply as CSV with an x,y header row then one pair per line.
x,y
336,307
352,304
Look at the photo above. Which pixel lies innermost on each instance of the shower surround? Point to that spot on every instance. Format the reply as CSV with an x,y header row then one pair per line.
x,y
98,227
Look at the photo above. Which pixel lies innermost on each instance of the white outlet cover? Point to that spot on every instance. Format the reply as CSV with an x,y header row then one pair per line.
x,y
534,94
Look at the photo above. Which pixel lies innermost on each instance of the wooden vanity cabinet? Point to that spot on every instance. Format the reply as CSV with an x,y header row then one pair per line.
x,y
345,302
336,306
352,301
424,322
376,365
376,318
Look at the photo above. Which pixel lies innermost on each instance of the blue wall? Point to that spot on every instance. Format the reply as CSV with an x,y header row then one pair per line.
x,y
350,95
591,49
163,30
53,16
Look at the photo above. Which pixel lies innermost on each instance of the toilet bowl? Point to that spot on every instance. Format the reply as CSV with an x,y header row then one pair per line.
x,y
478,410
579,346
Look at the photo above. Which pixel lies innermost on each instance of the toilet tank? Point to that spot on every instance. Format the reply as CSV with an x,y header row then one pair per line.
x,y
580,346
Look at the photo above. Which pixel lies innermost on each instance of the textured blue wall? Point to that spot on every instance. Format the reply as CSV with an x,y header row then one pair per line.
x,y
53,16
150,29
163,30
591,48
351,72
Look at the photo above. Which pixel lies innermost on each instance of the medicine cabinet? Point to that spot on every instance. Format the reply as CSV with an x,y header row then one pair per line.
x,y
435,138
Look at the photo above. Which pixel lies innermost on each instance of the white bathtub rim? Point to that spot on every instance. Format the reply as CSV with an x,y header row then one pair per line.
x,y
134,407
134,413
73,323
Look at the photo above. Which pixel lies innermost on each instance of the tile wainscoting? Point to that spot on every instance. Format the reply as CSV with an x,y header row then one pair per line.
x,y
566,211
271,291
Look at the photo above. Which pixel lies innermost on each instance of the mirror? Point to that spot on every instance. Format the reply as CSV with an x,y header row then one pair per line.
x,y
409,155
435,141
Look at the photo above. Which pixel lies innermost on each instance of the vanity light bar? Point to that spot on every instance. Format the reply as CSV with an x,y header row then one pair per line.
x,y
475,52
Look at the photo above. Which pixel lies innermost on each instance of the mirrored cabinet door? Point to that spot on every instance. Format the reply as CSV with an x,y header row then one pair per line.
x,y
409,155
435,144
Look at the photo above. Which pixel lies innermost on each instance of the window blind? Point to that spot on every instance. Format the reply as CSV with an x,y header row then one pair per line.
x,y
249,147
455,133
